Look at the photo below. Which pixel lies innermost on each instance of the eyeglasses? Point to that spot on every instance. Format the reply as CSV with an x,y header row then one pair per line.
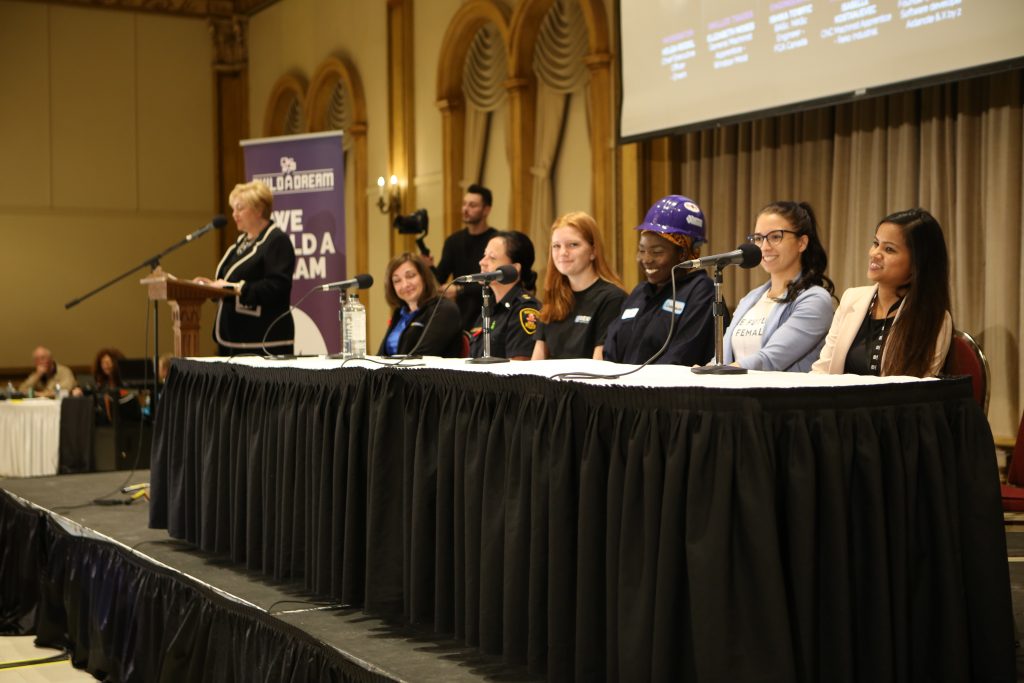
x,y
774,237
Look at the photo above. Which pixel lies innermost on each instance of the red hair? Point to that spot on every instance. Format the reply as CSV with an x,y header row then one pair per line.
x,y
560,300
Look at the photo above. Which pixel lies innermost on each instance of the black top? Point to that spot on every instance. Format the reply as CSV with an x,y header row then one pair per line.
x,y
513,326
460,256
266,267
585,326
444,338
642,326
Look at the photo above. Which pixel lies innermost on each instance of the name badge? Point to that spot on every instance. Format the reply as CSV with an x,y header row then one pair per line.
x,y
582,319
630,313
673,306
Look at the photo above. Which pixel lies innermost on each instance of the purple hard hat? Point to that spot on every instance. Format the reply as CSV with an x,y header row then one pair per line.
x,y
676,214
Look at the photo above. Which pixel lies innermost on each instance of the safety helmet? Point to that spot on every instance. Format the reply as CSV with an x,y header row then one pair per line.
x,y
676,214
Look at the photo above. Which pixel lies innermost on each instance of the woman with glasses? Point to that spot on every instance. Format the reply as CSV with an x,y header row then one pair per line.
x,y
781,325
901,324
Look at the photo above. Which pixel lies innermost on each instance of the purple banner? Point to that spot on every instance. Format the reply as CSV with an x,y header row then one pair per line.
x,y
306,175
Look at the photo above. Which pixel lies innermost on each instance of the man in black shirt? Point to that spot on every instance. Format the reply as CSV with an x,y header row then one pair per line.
x,y
463,250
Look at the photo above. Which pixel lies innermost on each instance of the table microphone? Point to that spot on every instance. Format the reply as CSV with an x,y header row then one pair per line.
x,y
746,255
503,275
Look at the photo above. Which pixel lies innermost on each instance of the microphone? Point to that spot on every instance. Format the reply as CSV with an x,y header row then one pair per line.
x,y
359,282
746,255
218,222
503,275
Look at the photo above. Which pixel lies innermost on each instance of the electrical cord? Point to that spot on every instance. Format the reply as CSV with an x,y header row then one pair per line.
x,y
657,354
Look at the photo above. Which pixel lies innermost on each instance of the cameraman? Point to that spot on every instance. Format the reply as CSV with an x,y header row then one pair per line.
x,y
463,250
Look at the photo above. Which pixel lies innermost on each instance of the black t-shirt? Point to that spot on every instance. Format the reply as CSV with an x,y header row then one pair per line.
x,y
642,326
513,326
460,256
585,326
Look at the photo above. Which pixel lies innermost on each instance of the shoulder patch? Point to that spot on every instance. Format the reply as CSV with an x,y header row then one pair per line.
x,y
528,319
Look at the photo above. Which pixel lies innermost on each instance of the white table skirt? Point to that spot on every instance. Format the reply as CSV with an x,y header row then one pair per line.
x,y
29,437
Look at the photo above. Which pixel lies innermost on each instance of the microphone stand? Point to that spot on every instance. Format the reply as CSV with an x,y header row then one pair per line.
x,y
154,265
485,314
719,368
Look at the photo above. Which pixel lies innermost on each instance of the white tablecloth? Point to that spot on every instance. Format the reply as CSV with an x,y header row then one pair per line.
x,y
29,437
650,376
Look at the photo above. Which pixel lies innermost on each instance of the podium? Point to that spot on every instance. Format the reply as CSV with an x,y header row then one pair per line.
x,y
185,299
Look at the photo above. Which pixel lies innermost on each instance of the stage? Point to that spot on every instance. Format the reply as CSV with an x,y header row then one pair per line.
x,y
346,644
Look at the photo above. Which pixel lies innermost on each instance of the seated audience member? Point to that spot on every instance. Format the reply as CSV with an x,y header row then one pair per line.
x,y
781,325
47,376
411,290
516,311
671,233
584,294
107,386
901,325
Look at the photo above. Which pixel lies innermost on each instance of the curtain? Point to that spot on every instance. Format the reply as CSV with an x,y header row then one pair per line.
x,y
955,149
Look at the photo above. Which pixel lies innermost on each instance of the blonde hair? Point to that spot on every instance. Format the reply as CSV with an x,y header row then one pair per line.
x,y
255,194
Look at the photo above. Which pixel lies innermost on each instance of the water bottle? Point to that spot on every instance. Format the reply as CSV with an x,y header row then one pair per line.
x,y
353,324
10,390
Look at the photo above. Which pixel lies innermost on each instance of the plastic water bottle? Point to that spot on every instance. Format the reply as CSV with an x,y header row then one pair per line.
x,y
353,324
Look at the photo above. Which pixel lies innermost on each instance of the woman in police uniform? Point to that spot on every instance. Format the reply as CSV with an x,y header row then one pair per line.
x,y
671,233
517,311
257,270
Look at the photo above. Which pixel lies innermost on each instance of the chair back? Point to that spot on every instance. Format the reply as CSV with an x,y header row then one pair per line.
x,y
968,359
464,349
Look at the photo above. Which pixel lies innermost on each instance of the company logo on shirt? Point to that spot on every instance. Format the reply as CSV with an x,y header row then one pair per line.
x,y
582,319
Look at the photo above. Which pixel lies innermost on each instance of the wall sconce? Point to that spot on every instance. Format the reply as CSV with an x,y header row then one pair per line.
x,y
389,201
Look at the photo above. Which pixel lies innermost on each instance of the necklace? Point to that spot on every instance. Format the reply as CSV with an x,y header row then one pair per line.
x,y
874,348
244,245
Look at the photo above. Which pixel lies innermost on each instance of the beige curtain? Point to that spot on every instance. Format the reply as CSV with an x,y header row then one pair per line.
x,y
561,73
955,149
484,72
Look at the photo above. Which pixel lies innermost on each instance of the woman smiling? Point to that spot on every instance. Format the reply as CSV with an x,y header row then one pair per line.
x,y
584,295
781,325
901,325
411,291
671,233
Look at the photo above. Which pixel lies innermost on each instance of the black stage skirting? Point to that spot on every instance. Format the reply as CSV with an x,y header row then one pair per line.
x,y
124,618
611,533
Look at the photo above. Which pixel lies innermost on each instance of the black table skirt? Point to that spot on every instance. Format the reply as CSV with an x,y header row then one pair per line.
x,y
611,533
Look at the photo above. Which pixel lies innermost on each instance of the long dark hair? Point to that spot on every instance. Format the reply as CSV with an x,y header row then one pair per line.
x,y
102,379
813,259
519,249
910,346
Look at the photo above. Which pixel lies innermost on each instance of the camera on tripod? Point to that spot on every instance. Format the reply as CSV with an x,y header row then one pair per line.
x,y
416,223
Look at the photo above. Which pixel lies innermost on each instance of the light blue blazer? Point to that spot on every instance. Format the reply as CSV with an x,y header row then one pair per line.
x,y
793,334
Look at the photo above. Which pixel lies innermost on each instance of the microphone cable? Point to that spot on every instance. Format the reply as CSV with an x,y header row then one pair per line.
x,y
657,354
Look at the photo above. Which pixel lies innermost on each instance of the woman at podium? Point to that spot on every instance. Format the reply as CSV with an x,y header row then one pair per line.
x,y
257,270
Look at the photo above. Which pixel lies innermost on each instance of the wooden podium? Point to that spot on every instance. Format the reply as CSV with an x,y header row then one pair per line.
x,y
185,299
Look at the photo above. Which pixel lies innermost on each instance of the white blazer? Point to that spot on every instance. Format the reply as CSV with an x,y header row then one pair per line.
x,y
850,316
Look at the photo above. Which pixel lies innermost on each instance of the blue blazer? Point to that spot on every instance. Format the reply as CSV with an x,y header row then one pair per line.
x,y
793,334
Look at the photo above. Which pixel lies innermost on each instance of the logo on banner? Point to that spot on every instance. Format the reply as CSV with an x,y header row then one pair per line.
x,y
293,181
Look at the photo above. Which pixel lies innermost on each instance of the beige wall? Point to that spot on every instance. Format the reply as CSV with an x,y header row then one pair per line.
x,y
295,37
107,133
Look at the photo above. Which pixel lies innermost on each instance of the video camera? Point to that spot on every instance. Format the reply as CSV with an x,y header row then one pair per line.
x,y
416,223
